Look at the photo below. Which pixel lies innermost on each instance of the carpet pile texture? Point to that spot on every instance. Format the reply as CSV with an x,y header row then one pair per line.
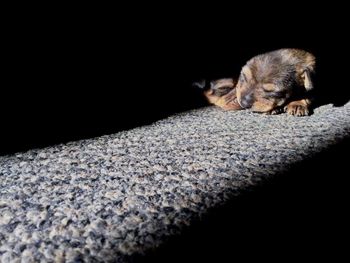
x,y
109,198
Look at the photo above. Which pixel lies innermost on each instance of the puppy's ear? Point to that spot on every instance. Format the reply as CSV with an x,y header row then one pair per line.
x,y
307,80
201,84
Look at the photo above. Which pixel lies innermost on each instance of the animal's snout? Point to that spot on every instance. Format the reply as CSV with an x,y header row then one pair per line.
x,y
246,100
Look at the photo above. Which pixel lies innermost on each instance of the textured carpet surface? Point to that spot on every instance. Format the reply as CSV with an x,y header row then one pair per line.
x,y
108,198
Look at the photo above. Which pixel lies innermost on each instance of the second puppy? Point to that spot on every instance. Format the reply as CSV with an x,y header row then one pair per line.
x,y
222,93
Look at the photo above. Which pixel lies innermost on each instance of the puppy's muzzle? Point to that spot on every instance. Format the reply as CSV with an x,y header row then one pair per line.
x,y
246,100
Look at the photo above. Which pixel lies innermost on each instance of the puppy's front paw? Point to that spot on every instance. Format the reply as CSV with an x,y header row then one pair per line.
x,y
297,108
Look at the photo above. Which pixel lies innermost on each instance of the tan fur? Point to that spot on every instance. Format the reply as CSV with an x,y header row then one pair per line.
x,y
269,87
227,99
298,108
268,81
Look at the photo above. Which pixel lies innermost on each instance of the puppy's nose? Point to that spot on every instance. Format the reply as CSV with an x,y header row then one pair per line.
x,y
246,100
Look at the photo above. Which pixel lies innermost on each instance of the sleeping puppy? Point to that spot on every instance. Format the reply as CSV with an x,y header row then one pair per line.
x,y
277,81
274,82
221,92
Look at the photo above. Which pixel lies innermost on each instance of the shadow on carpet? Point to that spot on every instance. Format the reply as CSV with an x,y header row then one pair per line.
x,y
298,214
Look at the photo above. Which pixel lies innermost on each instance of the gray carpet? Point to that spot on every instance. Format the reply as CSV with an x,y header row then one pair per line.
x,y
106,199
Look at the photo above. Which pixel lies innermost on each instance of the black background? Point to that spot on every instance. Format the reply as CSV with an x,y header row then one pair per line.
x,y
65,82
74,72
78,71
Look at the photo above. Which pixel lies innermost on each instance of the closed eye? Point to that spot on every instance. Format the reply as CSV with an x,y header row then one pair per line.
x,y
222,91
269,87
275,94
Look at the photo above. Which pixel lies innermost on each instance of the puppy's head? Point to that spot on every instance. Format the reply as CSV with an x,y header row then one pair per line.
x,y
260,96
221,92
